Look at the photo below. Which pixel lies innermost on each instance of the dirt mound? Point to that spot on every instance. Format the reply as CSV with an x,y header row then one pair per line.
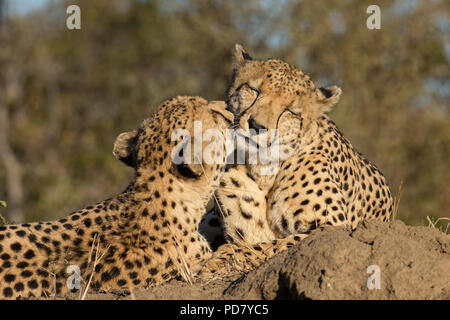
x,y
413,263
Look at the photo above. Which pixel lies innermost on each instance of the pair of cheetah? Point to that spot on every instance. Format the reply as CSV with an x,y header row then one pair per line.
x,y
143,236
149,233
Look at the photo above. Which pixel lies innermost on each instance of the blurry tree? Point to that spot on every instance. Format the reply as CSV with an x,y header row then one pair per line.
x,y
66,94
9,91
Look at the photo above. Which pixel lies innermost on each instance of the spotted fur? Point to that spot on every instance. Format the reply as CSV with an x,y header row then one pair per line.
x,y
143,236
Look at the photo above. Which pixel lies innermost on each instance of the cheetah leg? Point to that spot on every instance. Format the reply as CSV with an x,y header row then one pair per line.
x,y
243,208
232,257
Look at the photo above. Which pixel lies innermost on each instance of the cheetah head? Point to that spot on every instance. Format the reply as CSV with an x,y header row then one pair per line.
x,y
176,129
272,94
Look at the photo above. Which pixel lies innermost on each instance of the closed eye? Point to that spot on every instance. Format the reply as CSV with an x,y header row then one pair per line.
x,y
255,99
186,172
246,85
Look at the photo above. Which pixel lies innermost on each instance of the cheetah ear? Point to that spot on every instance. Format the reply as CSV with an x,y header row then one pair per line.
x,y
328,97
123,148
240,56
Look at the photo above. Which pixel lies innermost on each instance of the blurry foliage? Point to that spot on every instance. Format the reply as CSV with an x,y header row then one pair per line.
x,y
68,94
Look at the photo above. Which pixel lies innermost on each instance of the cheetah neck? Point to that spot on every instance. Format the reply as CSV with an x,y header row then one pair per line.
x,y
339,150
176,197
317,133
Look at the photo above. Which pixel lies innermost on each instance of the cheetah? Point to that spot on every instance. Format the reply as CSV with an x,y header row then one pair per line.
x,y
141,237
321,178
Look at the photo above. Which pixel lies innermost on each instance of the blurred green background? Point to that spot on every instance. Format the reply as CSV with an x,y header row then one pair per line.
x,y
65,95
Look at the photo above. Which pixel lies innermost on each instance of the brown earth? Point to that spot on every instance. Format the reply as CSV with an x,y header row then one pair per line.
x,y
414,263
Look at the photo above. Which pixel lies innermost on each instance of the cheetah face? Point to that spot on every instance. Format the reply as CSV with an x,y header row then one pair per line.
x,y
150,149
272,94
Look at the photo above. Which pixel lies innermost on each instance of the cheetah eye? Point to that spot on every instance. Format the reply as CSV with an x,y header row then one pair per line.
x,y
252,124
184,170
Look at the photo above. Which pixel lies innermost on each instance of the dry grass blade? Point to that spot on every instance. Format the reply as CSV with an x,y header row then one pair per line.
x,y
235,189
397,201
182,268
243,243
53,296
237,265
97,259
315,217
432,224
90,259
2,218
